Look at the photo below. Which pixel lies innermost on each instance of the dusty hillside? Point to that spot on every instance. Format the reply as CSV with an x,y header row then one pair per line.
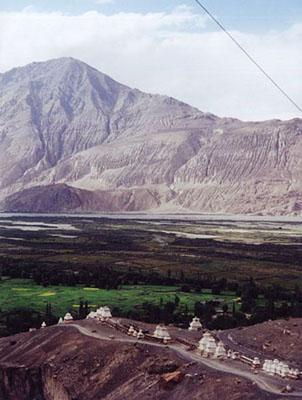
x,y
274,339
61,364
64,123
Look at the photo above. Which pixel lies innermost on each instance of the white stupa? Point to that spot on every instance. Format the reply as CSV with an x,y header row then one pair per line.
x,y
195,325
293,373
107,313
43,325
277,367
271,367
229,353
283,370
158,332
204,341
92,315
162,333
68,317
99,313
256,363
267,366
103,313
60,320
210,348
220,351
130,331
140,335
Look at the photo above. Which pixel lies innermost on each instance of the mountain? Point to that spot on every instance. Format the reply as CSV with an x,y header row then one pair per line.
x,y
73,139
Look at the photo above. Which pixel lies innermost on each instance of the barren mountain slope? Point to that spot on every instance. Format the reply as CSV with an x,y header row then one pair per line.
x,y
63,122
275,339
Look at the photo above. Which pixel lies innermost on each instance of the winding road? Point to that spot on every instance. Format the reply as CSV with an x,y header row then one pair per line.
x,y
263,382
229,341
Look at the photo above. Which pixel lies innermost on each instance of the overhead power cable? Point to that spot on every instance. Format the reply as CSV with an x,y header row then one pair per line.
x,y
251,58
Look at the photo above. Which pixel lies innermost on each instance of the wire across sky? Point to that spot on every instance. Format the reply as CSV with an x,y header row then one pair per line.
x,y
248,55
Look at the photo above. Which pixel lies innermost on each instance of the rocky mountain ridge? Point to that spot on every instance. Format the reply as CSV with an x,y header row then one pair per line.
x,y
72,139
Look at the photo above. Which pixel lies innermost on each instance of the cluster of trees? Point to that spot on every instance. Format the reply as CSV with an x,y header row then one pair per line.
x,y
106,276
22,319
258,303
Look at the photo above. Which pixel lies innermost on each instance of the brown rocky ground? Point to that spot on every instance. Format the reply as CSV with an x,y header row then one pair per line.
x,y
280,339
58,363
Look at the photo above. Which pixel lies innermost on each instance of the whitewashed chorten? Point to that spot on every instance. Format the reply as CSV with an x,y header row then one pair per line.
x,y
210,348
256,363
92,315
140,335
204,341
130,331
195,325
220,351
162,333
107,313
99,313
68,317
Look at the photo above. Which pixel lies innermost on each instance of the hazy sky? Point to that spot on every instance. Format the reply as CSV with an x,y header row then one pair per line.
x,y
169,47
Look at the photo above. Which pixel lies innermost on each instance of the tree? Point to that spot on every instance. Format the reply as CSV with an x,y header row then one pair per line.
x,y
48,315
87,310
199,309
167,313
225,308
216,290
182,276
82,313
233,308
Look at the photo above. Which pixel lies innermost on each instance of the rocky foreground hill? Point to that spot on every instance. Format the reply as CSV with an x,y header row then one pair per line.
x,y
73,139
60,363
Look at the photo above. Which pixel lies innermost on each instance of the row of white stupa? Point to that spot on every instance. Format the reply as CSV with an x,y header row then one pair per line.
x,y
67,318
133,332
161,333
209,348
207,344
102,314
276,367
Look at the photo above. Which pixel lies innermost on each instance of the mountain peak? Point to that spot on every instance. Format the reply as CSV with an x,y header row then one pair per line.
x,y
58,69
61,62
64,122
51,63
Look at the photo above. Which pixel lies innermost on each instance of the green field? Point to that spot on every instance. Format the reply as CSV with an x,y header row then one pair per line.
x,y
15,293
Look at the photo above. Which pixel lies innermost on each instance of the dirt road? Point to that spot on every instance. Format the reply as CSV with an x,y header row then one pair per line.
x,y
265,383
